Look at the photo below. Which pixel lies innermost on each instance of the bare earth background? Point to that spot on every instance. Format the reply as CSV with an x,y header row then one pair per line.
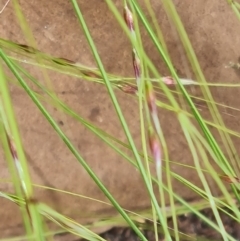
x,y
213,29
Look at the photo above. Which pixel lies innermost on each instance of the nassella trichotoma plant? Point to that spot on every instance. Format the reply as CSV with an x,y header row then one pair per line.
x,y
93,130
74,67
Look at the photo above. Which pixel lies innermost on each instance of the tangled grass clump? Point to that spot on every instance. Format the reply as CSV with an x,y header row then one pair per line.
x,y
145,86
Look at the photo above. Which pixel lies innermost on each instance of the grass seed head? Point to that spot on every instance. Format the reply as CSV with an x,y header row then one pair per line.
x,y
91,73
155,146
127,88
168,80
136,64
128,17
151,99
229,179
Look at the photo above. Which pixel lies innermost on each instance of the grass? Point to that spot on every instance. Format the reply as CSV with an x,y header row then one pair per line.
x,y
146,87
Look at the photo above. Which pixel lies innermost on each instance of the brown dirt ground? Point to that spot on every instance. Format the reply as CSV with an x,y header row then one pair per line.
x,y
212,28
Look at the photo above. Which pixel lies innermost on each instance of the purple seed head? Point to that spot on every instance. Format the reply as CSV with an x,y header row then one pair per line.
x,y
128,17
129,89
168,80
136,64
151,99
155,146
